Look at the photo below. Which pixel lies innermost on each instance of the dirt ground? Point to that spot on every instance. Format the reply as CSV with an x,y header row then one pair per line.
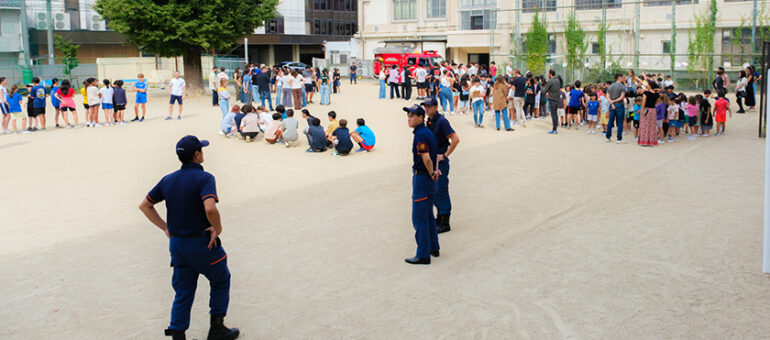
x,y
552,236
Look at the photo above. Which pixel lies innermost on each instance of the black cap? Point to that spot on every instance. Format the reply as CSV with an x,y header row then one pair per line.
x,y
415,109
430,101
189,144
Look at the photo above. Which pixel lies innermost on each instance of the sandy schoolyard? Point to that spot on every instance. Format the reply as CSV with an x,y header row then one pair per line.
x,y
552,236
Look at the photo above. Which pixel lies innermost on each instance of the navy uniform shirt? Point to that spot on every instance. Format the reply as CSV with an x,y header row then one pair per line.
x,y
424,141
442,131
184,191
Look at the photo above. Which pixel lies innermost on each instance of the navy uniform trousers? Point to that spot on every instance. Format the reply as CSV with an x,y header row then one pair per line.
x,y
191,257
425,232
443,203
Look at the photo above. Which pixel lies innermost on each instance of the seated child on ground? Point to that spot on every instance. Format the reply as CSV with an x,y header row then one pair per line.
x,y
273,132
250,126
341,139
289,128
316,137
227,126
364,136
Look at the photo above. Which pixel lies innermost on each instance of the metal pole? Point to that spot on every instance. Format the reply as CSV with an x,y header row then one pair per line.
x,y
517,35
25,34
547,40
50,32
492,25
754,29
246,49
604,38
766,244
672,49
636,39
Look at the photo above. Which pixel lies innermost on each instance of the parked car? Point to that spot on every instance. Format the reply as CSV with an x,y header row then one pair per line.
x,y
294,65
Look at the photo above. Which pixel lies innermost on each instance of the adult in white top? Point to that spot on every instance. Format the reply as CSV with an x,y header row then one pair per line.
x,y
421,74
176,88
214,86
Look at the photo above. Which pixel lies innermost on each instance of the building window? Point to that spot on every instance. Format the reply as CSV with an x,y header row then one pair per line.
x,y
668,3
596,4
477,3
594,48
404,10
274,26
666,46
735,51
477,19
436,9
530,6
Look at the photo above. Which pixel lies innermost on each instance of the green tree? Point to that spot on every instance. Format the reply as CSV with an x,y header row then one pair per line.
x,y
537,46
575,39
69,52
700,47
171,28
601,40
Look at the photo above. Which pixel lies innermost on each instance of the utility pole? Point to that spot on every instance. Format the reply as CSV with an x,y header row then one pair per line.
x,y
672,48
636,40
49,18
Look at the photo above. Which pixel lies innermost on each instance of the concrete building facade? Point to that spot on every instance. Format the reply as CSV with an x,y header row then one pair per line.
x,y
486,30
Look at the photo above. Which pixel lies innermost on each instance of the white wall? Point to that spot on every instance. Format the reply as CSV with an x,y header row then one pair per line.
x,y
293,12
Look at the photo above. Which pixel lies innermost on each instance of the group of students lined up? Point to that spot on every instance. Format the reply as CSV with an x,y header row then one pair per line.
x,y
281,127
111,97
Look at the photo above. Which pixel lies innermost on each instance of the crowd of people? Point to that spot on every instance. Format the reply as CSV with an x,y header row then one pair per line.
x,y
646,104
293,91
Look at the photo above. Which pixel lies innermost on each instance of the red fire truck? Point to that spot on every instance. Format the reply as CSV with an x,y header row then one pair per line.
x,y
402,57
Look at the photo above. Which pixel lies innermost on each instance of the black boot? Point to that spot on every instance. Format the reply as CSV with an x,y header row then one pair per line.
x,y
175,334
219,331
443,223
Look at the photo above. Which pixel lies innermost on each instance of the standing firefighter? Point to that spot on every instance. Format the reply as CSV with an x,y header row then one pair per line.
x,y
193,228
446,142
424,175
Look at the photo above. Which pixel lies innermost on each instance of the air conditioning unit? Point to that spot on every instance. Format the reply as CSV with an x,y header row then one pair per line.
x,y
61,21
41,20
96,23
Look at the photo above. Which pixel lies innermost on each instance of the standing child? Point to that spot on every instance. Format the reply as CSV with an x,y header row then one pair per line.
x,y
721,107
14,106
38,92
55,102
224,96
464,96
119,101
65,95
660,111
573,108
4,105
637,116
605,112
477,103
706,119
141,97
593,113
673,120
93,102
692,116
106,94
